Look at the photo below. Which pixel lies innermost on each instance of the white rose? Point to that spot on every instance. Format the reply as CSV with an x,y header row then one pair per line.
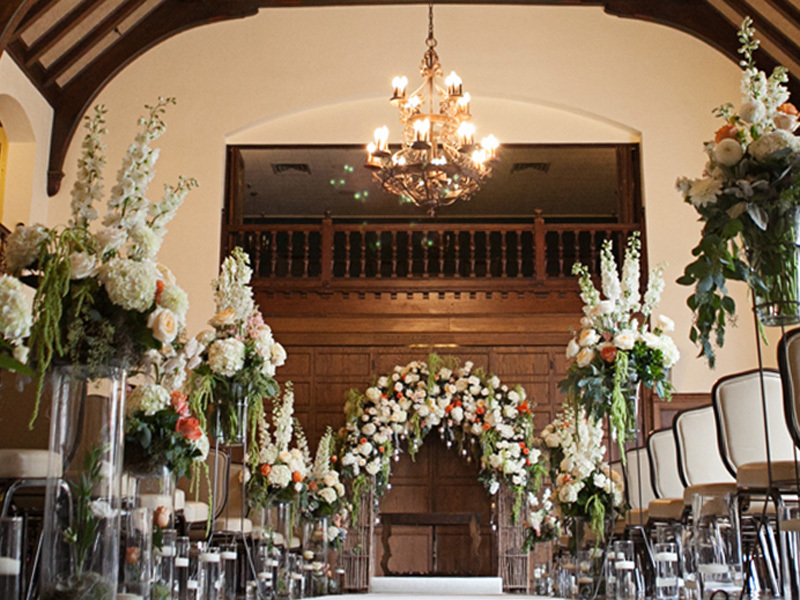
x,y
374,466
82,265
164,325
585,357
625,339
110,239
457,414
588,337
373,394
604,307
328,494
785,122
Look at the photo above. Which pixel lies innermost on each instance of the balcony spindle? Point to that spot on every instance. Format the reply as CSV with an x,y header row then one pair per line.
x,y
472,253
363,256
272,236
393,267
442,244
347,256
306,251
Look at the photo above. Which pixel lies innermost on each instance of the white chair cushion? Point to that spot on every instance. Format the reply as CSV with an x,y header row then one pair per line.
x,y
234,524
755,476
180,499
699,454
195,512
153,501
665,464
22,463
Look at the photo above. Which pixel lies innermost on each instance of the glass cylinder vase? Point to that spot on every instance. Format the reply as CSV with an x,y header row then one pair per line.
x,y
315,554
773,254
230,408
81,536
153,489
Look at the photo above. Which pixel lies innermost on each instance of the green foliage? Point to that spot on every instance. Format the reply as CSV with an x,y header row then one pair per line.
x,y
151,442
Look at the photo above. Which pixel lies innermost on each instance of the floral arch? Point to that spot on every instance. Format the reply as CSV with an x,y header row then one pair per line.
x,y
482,417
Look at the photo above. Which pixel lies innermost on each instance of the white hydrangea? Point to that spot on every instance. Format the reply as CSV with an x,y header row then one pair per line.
x,y
130,284
15,310
280,476
775,141
23,247
175,299
226,356
148,398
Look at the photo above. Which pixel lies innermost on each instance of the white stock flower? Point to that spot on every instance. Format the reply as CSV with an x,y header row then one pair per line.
x,y
23,246
664,323
753,111
111,239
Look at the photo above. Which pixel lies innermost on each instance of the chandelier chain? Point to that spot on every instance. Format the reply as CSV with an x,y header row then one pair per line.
x,y
431,41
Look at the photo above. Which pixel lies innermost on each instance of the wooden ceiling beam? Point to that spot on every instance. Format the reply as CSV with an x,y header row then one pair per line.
x,y
56,33
106,26
12,14
769,31
37,11
167,19
787,9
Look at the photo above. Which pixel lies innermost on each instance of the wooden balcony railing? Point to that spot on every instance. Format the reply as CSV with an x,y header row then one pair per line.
x,y
340,254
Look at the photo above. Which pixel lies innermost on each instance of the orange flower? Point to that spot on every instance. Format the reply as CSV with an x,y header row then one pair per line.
x,y
362,441
381,449
523,408
189,427
160,285
525,451
448,408
179,405
161,516
297,477
132,555
486,426
313,485
334,458
608,353
789,109
266,469
726,131
480,410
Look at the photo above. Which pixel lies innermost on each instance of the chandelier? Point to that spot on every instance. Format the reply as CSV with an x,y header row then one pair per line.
x,y
439,161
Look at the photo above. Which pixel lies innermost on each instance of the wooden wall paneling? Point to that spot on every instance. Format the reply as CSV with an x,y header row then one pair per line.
x,y
664,412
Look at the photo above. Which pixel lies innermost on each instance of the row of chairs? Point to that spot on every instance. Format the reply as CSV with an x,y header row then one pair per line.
x,y
725,447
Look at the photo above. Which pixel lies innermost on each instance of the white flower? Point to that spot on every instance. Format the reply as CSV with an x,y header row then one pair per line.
x,y
130,284
664,323
728,152
494,487
202,444
329,494
82,265
148,398
101,509
785,122
164,325
625,339
585,357
20,353
175,299
588,337
457,414
775,141
23,246
373,394
15,310
226,357
111,239
753,111
280,476
373,466
704,191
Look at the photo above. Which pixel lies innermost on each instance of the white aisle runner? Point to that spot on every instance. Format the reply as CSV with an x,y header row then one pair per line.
x,y
437,586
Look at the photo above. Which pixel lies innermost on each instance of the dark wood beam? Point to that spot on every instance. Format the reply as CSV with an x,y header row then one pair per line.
x,y
37,11
56,33
697,18
787,9
168,19
106,26
765,29
12,12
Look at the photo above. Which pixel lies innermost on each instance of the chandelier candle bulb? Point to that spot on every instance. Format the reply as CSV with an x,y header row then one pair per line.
x,y
422,132
399,85
462,106
454,85
466,136
381,137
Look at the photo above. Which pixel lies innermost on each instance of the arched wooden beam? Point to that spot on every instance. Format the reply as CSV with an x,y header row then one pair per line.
x,y
168,19
11,14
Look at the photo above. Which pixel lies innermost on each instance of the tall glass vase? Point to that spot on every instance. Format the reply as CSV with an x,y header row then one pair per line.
x,y
81,538
774,257
230,422
315,554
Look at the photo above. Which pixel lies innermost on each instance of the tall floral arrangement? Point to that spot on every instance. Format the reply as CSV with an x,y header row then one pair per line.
x,y
326,493
747,199
541,520
585,485
280,471
161,429
15,324
616,349
234,365
102,298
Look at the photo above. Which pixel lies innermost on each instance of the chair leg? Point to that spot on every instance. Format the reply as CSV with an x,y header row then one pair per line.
x,y
766,539
32,582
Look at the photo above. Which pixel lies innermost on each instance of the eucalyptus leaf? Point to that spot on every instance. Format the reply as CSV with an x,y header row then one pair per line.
x,y
758,215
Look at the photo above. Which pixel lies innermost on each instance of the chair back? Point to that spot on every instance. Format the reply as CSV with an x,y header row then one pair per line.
x,y
699,460
789,365
638,482
666,480
739,413
200,488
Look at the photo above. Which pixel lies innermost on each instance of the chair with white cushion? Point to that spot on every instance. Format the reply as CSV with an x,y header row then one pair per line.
x,y
664,476
196,496
234,518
